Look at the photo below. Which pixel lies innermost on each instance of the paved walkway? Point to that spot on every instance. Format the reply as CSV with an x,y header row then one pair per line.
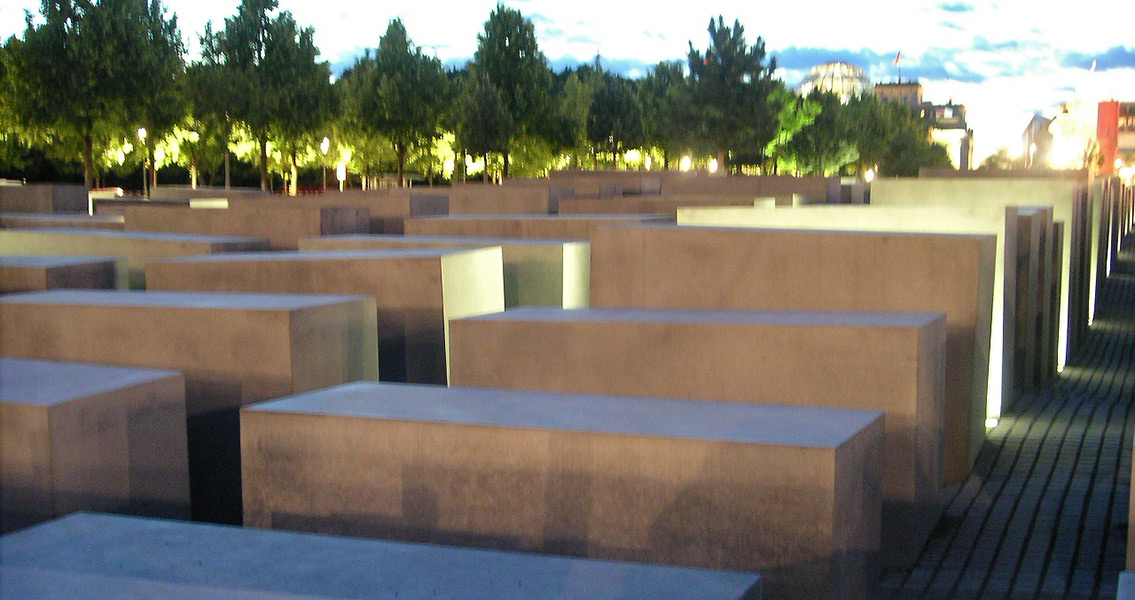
x,y
1044,514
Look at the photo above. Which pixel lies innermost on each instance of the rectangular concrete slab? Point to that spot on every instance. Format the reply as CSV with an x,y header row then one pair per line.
x,y
1070,204
665,204
135,248
71,221
386,208
470,199
122,558
233,349
790,491
282,227
90,437
416,292
992,219
44,198
536,272
892,362
37,273
523,226
762,269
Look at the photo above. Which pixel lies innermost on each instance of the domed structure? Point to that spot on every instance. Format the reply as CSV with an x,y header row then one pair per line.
x,y
840,78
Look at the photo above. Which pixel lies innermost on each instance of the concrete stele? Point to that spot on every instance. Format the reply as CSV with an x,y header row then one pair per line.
x,y
68,558
541,272
38,273
790,491
90,437
657,266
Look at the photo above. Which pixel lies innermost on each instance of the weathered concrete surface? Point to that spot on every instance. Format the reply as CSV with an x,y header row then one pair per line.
x,y
119,558
579,227
282,227
416,292
471,199
1070,204
233,349
44,198
647,205
37,273
992,219
790,491
541,272
90,437
135,248
758,269
606,183
48,221
816,189
387,209
891,362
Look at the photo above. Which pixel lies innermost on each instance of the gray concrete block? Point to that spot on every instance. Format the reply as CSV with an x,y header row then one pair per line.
x,y
790,491
37,273
233,349
578,227
90,437
283,227
120,558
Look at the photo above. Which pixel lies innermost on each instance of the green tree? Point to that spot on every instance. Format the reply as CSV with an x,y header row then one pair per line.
x,y
509,58
91,70
614,120
733,91
825,144
668,115
398,93
486,125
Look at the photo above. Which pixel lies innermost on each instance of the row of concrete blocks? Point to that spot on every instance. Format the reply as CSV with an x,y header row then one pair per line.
x,y
70,327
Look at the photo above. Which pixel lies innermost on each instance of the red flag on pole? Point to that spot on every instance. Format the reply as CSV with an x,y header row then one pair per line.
x,y
897,57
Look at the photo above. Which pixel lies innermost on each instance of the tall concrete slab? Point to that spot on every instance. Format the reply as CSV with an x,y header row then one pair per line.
x,y
892,362
991,219
134,248
387,209
1070,204
790,491
233,349
70,221
282,227
579,227
90,437
44,198
762,269
38,273
416,292
124,558
541,272
473,199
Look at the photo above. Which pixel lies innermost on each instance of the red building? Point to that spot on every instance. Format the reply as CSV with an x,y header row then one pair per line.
x,y
1115,134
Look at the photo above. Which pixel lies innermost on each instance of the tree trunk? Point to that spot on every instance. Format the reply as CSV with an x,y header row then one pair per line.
x,y
193,175
665,160
400,148
721,162
153,167
504,175
485,171
293,188
228,153
88,161
264,165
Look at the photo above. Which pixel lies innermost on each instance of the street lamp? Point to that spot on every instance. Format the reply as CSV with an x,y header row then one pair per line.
x,y
324,146
145,156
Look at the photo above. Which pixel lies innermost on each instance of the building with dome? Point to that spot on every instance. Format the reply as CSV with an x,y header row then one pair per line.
x,y
840,78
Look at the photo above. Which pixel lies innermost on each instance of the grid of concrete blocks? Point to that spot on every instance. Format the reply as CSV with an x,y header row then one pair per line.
x,y
594,385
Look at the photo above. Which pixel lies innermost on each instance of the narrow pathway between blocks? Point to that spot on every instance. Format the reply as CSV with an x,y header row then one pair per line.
x,y
1044,513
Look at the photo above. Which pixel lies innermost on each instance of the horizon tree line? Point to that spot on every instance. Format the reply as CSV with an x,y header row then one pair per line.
x,y
80,87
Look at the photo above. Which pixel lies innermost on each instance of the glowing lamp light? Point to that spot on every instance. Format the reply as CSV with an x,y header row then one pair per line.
x,y
649,161
324,146
991,422
119,193
447,166
142,133
1119,163
632,156
869,176
341,171
713,166
685,164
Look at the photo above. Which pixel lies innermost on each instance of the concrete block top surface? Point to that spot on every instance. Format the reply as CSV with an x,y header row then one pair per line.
x,y
146,235
825,232
47,262
730,317
47,383
61,217
319,255
445,239
613,415
195,560
188,300
539,217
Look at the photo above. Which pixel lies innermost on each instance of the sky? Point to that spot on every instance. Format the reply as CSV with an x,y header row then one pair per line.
x,y
1005,61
